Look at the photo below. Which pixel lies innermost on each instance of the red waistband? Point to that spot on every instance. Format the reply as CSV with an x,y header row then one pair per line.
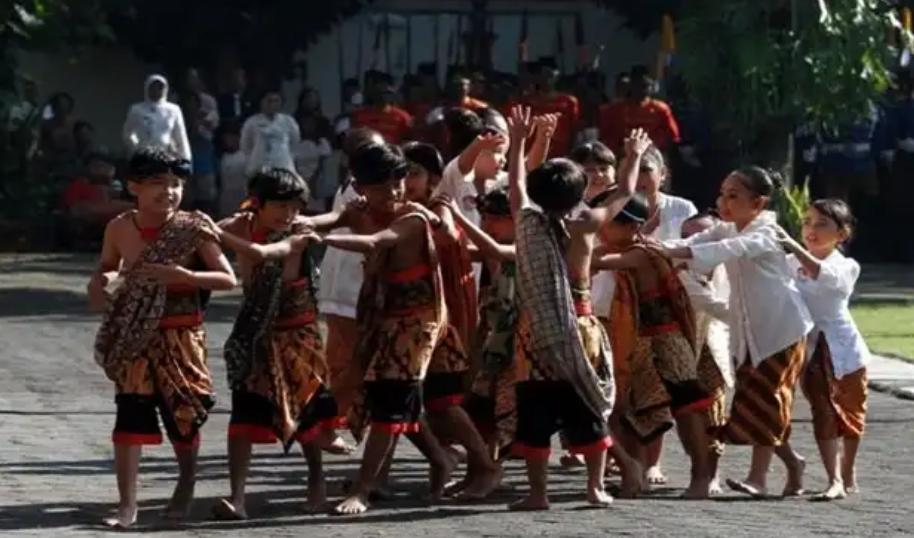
x,y
181,321
412,273
583,307
300,320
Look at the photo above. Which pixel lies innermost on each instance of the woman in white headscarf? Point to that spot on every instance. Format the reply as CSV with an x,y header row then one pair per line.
x,y
155,122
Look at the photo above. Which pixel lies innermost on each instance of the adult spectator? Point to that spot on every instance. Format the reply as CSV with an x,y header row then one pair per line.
x,y
267,138
156,123
239,102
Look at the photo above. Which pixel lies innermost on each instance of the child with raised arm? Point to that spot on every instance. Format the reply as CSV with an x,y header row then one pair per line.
x,y
768,324
276,365
402,320
835,378
151,343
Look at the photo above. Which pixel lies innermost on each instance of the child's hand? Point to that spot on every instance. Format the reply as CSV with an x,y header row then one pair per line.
x,y
300,242
546,124
520,124
167,274
490,142
99,298
637,142
785,239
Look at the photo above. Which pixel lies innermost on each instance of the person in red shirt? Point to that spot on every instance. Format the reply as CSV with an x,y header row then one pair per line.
x,y
89,202
638,111
379,114
549,100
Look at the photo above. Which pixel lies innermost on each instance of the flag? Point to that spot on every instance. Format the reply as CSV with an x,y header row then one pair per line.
x,y
524,43
580,41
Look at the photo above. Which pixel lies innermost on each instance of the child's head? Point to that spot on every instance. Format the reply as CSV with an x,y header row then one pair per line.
x,y
100,166
652,173
425,169
231,136
828,223
463,127
495,209
156,179
599,165
698,223
278,196
380,171
624,227
557,186
745,193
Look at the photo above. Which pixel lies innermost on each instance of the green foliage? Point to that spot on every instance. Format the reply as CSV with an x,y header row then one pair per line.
x,y
761,67
791,205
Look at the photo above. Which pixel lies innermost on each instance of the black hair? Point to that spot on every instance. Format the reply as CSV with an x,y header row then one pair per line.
x,y
270,90
358,137
623,77
593,152
58,96
463,127
493,121
277,185
147,163
230,126
636,211
557,185
758,181
426,156
837,211
375,164
495,202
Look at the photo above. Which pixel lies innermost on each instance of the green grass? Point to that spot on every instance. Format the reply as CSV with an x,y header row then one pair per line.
x,y
887,328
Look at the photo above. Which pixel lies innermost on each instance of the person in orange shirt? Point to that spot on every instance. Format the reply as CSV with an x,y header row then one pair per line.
x,y
380,115
638,110
549,100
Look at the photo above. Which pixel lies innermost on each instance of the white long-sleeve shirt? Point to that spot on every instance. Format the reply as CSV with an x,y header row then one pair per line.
x,y
828,298
268,142
767,312
157,125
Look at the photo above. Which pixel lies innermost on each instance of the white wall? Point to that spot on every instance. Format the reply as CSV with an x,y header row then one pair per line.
x,y
105,83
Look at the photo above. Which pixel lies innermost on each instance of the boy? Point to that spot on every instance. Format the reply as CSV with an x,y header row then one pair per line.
x,y
402,318
151,343
276,366
553,267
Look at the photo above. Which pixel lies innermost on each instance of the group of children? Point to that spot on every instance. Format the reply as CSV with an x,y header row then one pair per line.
x,y
485,309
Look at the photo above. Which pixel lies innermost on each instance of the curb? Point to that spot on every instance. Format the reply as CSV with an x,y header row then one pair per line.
x,y
902,393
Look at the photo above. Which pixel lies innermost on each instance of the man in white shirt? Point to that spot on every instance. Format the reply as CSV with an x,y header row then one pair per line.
x,y
156,123
267,138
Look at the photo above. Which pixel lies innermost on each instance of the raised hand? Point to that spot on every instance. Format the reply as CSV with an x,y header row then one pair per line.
x,y
637,142
520,123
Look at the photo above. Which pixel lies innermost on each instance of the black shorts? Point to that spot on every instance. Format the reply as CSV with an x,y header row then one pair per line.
x,y
253,417
394,405
440,391
547,407
137,422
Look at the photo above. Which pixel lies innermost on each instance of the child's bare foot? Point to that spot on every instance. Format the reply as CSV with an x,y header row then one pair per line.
x,y
632,482
334,444
484,484
570,461
123,519
654,476
227,511
599,497
852,489
317,498
456,454
530,504
354,505
794,485
612,469
714,488
181,500
378,494
753,490
456,487
439,476
699,488
834,492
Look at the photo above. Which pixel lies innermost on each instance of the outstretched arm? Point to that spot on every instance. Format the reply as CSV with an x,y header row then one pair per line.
x,y
520,126
631,259
407,229
488,247
635,146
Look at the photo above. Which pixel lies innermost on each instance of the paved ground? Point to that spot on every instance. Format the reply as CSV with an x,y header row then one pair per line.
x,y
56,477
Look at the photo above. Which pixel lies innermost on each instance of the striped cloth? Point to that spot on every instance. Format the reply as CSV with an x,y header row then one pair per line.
x,y
545,294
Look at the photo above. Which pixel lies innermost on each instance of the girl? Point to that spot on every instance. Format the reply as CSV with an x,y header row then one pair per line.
x,y
599,165
768,324
835,379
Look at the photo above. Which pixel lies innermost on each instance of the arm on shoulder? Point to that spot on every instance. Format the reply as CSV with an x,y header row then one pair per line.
x,y
631,259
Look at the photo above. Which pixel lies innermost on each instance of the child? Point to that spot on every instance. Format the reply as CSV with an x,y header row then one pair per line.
x,y
835,379
768,324
599,165
553,262
90,202
445,383
233,179
276,366
710,295
402,319
660,364
151,343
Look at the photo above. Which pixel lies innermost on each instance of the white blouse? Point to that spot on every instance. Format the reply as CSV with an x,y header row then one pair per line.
x,y
157,125
827,298
673,212
341,272
767,313
268,142
710,298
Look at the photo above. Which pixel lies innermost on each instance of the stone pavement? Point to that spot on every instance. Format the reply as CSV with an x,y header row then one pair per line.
x,y
56,476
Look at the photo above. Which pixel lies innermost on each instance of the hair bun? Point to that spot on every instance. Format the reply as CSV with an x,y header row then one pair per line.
x,y
776,178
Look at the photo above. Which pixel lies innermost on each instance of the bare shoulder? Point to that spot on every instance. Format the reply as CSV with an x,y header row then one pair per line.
x,y
237,224
120,223
587,221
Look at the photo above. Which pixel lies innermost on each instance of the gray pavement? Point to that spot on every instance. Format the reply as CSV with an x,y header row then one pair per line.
x,y
56,477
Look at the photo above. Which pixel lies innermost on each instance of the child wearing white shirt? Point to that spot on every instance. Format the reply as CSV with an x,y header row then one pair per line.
x,y
768,319
835,379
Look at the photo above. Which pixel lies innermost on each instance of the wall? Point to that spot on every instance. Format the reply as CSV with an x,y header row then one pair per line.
x,y
106,82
